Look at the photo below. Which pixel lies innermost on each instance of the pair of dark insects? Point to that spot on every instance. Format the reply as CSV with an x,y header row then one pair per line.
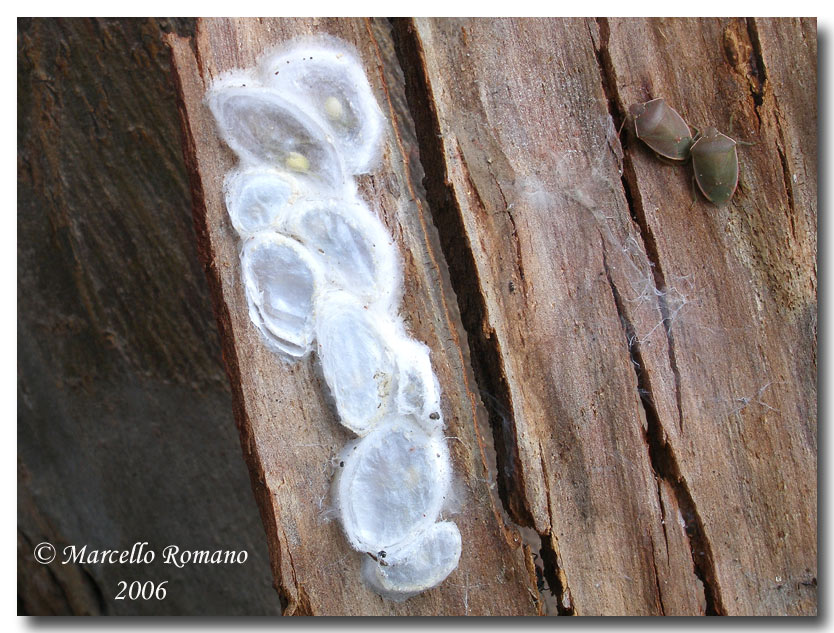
x,y
714,155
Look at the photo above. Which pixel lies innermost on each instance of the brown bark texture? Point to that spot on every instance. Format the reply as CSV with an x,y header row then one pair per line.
x,y
628,371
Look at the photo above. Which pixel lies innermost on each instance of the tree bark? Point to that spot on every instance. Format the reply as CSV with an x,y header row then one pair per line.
x,y
635,367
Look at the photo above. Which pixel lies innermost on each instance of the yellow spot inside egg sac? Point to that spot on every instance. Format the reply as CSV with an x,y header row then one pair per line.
x,y
297,162
333,107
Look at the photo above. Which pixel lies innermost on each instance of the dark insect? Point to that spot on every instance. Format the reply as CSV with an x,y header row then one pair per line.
x,y
715,161
662,129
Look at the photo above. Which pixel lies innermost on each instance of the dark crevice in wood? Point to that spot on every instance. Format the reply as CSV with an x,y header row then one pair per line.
x,y
552,567
786,177
629,179
554,574
664,463
484,346
282,596
519,263
660,452
607,74
663,518
630,188
758,73
299,602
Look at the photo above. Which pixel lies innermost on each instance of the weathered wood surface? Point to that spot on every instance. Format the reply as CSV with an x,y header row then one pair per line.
x,y
648,362
738,410
124,425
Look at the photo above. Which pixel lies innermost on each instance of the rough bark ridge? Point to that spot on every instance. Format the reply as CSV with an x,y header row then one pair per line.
x,y
646,362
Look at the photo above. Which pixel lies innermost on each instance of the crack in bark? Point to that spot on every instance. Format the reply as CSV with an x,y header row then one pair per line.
x,y
485,348
663,518
758,73
638,215
552,566
445,208
656,575
506,207
664,462
786,177
298,601
629,179
519,263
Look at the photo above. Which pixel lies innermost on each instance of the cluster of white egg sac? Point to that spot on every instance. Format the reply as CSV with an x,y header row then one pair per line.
x,y
320,271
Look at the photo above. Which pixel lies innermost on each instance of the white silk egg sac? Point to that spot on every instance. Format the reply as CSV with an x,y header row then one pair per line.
x,y
356,251
268,130
392,486
281,279
321,271
356,359
418,392
328,81
257,199
420,564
